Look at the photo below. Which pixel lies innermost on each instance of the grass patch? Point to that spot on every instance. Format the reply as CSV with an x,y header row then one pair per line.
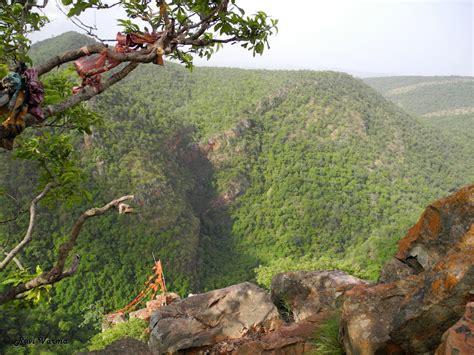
x,y
325,341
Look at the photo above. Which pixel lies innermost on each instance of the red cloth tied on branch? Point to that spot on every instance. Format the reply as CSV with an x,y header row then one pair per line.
x,y
89,68
94,65
136,40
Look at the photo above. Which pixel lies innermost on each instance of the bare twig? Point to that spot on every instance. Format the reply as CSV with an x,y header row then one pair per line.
x,y
15,259
28,236
57,273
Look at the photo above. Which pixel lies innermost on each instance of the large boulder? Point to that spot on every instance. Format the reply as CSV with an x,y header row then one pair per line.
x,y
307,293
459,339
206,319
440,227
410,315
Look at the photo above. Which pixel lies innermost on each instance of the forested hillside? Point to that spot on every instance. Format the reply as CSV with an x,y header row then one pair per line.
x,y
444,103
232,169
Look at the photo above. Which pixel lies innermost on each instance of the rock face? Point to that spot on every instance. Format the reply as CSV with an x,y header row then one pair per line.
x,y
112,319
206,319
459,339
308,293
292,339
442,226
410,314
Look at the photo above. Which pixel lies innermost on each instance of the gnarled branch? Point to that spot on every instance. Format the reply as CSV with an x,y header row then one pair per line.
x,y
57,273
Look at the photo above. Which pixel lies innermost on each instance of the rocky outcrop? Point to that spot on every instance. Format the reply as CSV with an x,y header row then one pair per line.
x,y
112,319
442,226
410,314
206,319
294,339
153,305
307,293
459,339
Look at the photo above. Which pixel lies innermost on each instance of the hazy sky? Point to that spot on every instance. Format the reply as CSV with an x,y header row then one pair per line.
x,y
379,37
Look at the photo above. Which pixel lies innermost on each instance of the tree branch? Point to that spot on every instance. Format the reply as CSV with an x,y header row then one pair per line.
x,y
28,236
57,273
88,92
143,56
84,95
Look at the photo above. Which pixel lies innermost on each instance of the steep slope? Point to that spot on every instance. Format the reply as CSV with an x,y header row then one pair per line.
x,y
303,163
233,169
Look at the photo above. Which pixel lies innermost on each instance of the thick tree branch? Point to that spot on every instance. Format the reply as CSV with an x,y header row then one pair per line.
x,y
84,95
89,92
143,56
57,273
176,32
28,236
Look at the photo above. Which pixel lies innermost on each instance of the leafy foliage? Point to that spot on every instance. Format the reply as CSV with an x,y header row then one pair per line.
x,y
17,20
23,276
197,17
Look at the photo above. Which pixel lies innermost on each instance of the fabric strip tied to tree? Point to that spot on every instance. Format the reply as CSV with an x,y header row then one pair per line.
x,y
89,68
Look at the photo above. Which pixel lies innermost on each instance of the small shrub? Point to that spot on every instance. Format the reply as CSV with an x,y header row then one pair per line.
x,y
134,328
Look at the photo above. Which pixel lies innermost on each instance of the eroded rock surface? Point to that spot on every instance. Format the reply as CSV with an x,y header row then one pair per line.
x,y
441,226
206,319
459,339
308,293
409,315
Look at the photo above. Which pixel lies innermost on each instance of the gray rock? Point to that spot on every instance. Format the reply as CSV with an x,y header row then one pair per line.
x,y
307,293
208,318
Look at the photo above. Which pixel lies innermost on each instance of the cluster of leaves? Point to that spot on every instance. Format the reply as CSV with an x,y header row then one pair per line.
x,y
17,20
58,163
59,86
22,276
206,23
52,148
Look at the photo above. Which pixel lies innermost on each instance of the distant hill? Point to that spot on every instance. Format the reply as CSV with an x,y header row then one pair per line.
x,y
233,169
444,103
428,96
44,50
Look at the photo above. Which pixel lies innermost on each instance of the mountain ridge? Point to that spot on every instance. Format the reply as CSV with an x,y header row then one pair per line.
x,y
233,169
